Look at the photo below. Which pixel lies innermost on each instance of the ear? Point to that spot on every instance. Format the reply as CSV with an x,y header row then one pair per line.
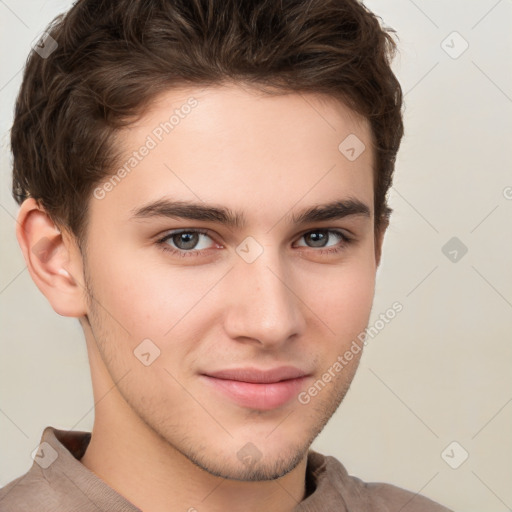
x,y
53,260
379,240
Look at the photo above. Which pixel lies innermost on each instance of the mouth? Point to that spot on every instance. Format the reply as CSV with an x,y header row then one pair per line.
x,y
257,389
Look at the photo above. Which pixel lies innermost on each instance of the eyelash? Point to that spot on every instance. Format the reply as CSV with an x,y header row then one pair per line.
x,y
161,243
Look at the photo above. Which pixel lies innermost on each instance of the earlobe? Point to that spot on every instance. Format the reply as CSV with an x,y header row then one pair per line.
x,y
53,260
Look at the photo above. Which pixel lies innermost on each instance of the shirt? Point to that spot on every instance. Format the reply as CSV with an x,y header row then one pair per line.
x,y
58,482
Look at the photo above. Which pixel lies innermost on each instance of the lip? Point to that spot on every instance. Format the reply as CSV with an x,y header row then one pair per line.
x,y
258,389
257,376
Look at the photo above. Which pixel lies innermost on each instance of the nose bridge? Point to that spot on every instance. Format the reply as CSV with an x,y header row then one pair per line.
x,y
264,305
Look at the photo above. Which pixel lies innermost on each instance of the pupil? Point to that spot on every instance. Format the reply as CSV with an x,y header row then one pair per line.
x,y
186,239
318,236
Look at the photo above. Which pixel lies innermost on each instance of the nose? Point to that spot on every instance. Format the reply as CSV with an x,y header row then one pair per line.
x,y
264,301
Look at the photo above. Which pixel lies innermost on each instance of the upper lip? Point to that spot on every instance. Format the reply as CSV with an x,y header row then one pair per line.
x,y
259,376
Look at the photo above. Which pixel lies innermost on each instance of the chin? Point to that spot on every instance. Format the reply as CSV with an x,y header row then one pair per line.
x,y
248,464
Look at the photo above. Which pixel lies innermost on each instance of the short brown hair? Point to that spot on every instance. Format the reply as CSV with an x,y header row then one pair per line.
x,y
114,57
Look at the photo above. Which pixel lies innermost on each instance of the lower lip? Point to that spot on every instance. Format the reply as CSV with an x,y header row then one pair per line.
x,y
258,396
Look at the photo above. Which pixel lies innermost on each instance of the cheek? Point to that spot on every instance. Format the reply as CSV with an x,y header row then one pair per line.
x,y
356,296
344,300
155,300
149,304
145,297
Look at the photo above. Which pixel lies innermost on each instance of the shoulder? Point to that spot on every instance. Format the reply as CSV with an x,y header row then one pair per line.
x,y
383,496
27,493
58,481
336,485
51,482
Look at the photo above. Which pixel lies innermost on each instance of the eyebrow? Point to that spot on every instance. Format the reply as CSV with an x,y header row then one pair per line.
x,y
203,212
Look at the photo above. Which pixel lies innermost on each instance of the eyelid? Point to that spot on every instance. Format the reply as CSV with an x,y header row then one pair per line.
x,y
341,231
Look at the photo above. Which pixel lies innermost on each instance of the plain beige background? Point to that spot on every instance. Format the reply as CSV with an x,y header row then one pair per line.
x,y
439,372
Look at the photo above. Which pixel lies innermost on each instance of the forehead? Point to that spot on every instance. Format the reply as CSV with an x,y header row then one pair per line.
x,y
227,108
243,148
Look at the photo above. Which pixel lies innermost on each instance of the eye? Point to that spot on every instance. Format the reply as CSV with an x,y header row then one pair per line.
x,y
185,242
319,238
191,242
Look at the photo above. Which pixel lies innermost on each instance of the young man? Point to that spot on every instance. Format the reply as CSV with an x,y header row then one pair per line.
x,y
203,185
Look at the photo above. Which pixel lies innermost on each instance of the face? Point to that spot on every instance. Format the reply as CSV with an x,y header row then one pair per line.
x,y
218,319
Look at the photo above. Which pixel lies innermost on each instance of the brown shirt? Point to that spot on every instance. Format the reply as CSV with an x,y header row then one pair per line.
x,y
59,482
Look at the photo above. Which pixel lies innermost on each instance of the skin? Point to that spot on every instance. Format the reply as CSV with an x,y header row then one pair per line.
x,y
162,437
